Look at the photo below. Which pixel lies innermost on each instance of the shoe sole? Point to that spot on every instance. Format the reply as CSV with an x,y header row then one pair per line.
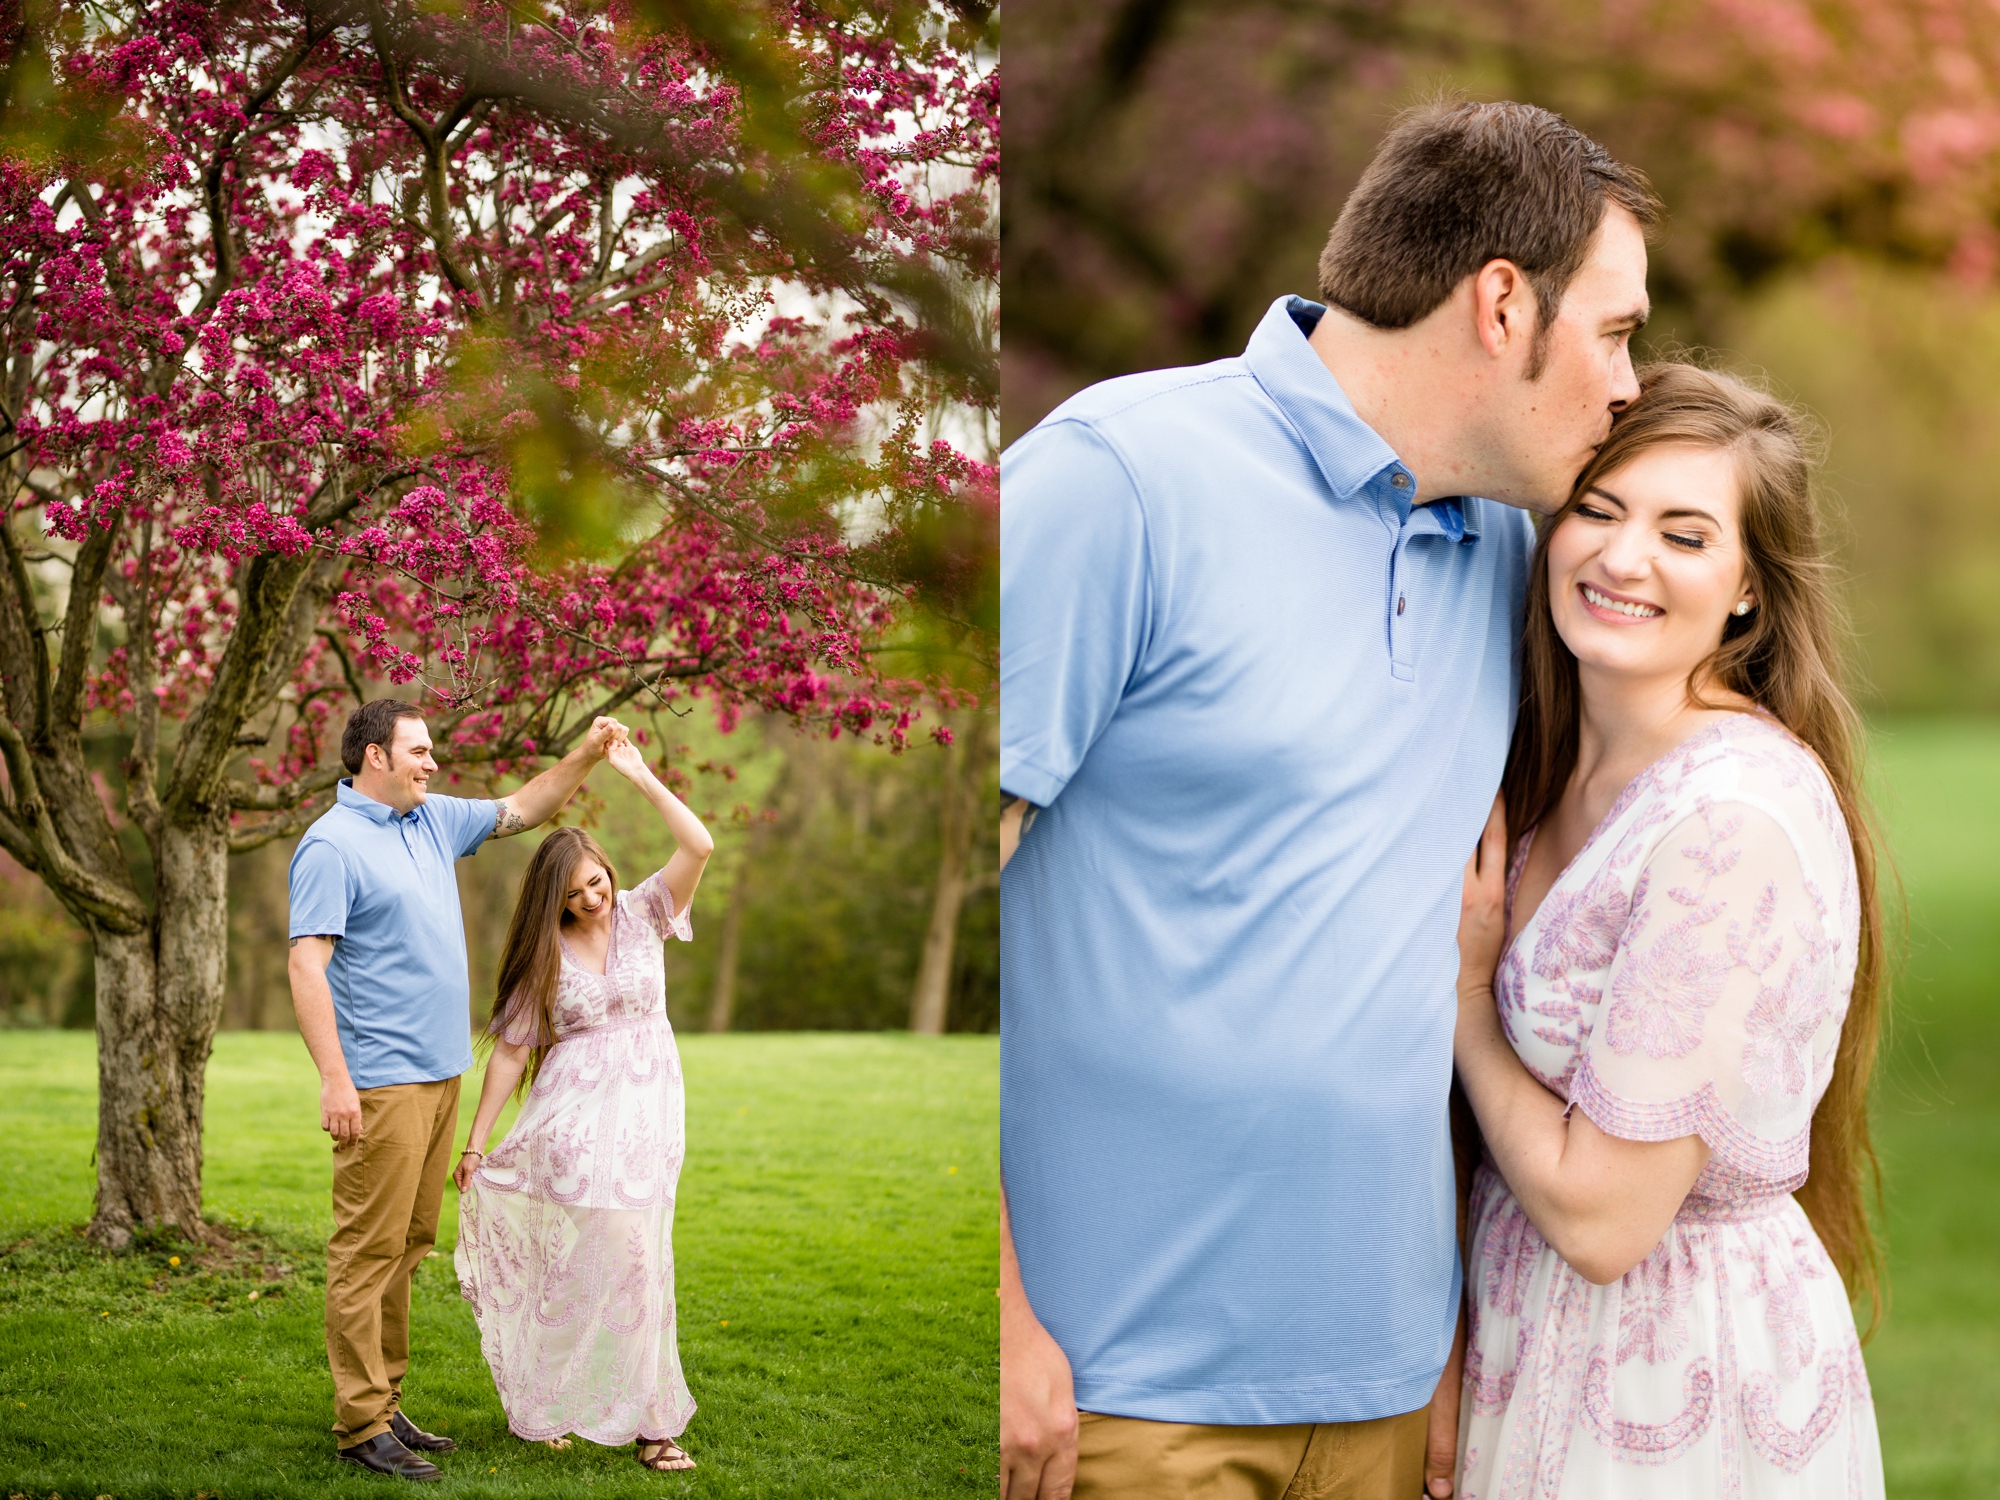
x,y
431,1478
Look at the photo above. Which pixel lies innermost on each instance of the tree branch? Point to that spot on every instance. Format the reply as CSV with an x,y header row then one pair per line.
x,y
471,108
86,587
297,820
243,796
631,267
264,625
14,839
346,664
24,641
142,767
214,195
86,202
120,910
431,140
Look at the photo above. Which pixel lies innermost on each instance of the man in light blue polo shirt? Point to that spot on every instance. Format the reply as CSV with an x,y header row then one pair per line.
x,y
380,986
1257,682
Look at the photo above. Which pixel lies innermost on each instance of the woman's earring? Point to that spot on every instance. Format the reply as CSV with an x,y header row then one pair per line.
x,y
1742,607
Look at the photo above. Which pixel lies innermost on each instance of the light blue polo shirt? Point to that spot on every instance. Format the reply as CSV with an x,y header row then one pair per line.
x,y
1263,706
382,882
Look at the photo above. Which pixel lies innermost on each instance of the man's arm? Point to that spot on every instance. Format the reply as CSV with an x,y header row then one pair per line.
x,y
312,1002
1038,1422
1441,1441
540,800
1011,829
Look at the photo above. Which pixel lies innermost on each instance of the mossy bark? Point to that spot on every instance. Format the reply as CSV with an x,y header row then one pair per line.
x,y
159,1002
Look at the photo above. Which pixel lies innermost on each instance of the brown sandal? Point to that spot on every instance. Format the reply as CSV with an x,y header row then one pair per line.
x,y
665,1456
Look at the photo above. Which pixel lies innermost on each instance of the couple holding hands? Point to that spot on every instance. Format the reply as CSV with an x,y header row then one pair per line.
x,y
565,1245
1432,570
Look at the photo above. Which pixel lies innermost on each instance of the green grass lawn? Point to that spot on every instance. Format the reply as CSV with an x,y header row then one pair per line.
x,y
1936,1364
834,1236
821,1218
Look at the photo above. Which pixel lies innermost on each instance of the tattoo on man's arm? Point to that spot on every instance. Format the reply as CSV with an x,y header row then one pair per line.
x,y
508,821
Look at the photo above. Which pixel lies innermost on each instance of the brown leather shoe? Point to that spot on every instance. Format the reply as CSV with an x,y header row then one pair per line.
x,y
385,1454
413,1437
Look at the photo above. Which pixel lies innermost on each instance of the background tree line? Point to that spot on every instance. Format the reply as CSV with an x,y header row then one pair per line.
x,y
817,912
538,362
1832,169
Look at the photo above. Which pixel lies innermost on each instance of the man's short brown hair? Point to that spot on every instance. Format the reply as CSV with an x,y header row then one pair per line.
x,y
372,724
1456,185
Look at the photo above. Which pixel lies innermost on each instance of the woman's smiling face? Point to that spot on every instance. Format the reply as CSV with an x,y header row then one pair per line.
x,y
1645,571
589,891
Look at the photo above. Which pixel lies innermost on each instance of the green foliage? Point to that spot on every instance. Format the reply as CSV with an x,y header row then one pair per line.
x,y
1936,1363
835,1264
42,953
838,841
839,894
1172,168
1904,371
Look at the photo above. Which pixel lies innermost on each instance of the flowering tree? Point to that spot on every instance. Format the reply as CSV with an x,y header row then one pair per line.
x,y
1175,164
539,360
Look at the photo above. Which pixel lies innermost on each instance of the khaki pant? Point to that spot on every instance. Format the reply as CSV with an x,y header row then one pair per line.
x,y
387,1190
1125,1458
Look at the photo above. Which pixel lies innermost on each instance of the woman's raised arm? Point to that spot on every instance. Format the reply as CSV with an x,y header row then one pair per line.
x,y
692,842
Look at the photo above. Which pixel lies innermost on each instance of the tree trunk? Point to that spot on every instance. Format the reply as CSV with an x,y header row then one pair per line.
x,y
957,821
159,1000
722,998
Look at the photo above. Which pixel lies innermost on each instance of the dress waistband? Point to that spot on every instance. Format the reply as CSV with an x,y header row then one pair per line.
x,y
622,1023
1727,1211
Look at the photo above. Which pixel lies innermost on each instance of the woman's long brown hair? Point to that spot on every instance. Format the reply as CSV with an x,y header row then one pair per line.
x,y
1785,656
531,963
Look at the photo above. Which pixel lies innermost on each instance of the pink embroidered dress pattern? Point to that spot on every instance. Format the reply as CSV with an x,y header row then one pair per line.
x,y
1687,974
565,1239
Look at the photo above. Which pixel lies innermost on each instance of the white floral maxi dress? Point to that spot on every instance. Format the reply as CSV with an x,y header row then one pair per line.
x,y
565,1237
1687,974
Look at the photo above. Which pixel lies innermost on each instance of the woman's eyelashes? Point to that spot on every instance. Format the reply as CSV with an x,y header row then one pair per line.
x,y
1679,539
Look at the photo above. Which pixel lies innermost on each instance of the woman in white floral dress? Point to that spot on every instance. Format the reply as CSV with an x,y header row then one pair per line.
x,y
1685,1008
565,1238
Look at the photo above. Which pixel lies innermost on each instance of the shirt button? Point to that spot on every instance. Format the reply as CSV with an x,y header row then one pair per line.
x,y
1399,604
1400,480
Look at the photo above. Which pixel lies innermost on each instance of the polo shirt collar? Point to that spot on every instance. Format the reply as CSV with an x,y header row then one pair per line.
x,y
1348,451
368,807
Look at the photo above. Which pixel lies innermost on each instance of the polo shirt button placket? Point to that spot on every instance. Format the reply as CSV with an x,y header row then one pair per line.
x,y
1402,670
1401,667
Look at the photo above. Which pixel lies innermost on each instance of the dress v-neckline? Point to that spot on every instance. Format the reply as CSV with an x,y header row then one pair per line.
x,y
575,962
1618,807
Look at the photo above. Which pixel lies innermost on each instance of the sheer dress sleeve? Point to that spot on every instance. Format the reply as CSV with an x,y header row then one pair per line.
x,y
518,1025
1724,1002
653,903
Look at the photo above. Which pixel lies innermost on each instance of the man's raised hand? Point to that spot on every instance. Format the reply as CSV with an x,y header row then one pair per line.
x,y
604,732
